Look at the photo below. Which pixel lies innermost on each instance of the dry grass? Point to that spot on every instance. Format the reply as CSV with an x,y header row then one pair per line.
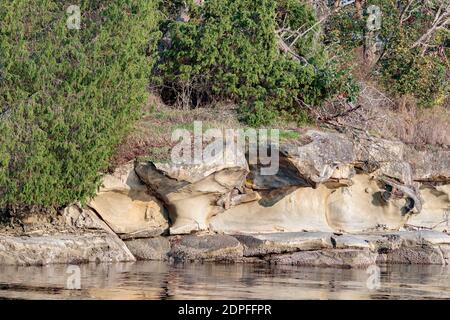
x,y
391,118
403,120
151,138
379,115
396,119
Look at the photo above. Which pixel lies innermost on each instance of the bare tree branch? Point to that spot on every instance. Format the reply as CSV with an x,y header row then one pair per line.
x,y
440,21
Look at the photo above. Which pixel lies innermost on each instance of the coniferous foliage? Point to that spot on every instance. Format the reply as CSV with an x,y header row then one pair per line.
x,y
230,49
413,37
68,96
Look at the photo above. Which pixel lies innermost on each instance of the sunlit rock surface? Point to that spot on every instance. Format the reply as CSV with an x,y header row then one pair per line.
x,y
361,207
326,182
125,204
357,208
191,205
435,213
293,210
336,200
68,249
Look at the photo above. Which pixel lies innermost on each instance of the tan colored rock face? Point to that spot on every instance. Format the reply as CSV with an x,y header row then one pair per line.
x,y
357,208
124,178
302,209
127,207
190,205
133,213
360,207
435,212
326,181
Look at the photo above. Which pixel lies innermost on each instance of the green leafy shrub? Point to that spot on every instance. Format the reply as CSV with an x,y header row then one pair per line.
x,y
409,73
68,97
229,49
403,67
345,29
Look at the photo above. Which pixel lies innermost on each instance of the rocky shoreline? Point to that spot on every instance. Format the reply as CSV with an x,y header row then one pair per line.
x,y
318,249
336,201
302,248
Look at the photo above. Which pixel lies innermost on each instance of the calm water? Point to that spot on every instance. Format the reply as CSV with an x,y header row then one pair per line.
x,y
155,280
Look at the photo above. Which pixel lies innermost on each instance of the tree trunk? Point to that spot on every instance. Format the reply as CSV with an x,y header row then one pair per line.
x,y
359,9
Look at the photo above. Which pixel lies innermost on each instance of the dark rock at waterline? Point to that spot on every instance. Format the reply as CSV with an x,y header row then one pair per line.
x,y
156,248
342,258
206,248
282,242
297,248
418,254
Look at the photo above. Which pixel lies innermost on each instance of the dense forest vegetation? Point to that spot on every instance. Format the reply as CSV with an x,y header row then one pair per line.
x,y
68,97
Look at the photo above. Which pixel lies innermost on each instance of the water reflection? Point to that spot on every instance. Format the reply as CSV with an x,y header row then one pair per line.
x,y
157,280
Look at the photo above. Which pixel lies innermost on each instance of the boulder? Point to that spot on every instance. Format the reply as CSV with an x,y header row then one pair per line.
x,y
423,254
344,258
83,218
322,156
193,173
376,149
125,204
206,248
318,155
429,165
275,243
131,215
149,249
65,248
